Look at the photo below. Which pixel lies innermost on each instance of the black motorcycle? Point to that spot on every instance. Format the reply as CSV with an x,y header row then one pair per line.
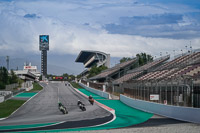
x,y
62,108
81,106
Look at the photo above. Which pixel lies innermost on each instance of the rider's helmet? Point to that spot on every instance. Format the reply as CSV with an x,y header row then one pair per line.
x,y
59,103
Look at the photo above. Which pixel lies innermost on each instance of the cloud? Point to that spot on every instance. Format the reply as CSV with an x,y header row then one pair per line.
x,y
31,16
174,26
76,25
151,20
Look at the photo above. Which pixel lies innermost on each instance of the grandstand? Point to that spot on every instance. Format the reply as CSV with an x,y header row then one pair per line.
x,y
132,74
176,82
186,65
92,58
115,72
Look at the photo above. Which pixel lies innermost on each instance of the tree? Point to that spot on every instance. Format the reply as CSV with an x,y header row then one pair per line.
x,y
13,77
144,58
66,76
40,78
4,75
124,59
96,70
6,78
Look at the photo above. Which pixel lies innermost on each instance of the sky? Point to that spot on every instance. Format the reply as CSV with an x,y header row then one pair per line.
x,y
121,28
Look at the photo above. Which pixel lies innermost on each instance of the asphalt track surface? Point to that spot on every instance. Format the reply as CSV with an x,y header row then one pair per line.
x,y
43,108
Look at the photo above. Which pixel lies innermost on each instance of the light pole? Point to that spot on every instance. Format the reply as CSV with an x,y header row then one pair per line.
x,y
7,60
174,53
190,47
186,48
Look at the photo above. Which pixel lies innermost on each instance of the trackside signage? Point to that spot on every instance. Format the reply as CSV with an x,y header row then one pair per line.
x,y
154,97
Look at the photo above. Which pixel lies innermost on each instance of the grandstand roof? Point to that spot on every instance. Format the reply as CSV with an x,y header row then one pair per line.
x,y
114,69
85,54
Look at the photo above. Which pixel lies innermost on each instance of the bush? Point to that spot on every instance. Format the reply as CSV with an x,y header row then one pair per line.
x,y
2,86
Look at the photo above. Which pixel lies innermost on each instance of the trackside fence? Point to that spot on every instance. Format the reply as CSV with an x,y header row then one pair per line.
x,y
181,92
97,86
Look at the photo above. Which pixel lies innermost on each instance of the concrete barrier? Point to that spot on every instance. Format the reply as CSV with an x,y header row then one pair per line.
x,y
1,99
180,113
6,95
29,88
98,92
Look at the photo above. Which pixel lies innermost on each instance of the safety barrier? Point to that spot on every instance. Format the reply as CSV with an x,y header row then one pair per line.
x,y
176,112
98,92
4,95
1,99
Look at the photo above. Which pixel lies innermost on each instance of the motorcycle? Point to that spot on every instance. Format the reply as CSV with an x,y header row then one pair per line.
x,y
62,108
91,100
81,106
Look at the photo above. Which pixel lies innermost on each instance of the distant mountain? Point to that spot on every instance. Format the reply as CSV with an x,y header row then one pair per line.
x,y
57,64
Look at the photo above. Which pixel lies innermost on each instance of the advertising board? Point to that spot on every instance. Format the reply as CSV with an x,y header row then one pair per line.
x,y
30,67
154,97
44,42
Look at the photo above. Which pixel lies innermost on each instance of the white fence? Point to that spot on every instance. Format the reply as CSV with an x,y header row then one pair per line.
x,y
12,86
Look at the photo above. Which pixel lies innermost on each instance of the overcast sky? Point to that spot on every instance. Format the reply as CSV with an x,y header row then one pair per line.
x,y
119,27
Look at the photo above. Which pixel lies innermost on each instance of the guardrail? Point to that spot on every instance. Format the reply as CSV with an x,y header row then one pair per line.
x,y
175,112
98,92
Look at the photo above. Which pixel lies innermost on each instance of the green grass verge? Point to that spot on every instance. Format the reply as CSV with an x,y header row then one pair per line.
x,y
75,85
9,106
36,88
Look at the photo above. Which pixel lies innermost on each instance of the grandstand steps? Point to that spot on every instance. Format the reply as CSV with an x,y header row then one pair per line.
x,y
196,75
194,71
196,60
169,72
127,77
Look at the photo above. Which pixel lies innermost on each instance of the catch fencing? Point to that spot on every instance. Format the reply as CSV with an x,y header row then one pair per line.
x,y
178,92
97,86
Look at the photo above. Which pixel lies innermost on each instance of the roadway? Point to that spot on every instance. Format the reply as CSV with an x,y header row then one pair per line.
x,y
43,108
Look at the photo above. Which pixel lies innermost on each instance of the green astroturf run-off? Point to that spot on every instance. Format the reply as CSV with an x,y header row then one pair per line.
x,y
29,94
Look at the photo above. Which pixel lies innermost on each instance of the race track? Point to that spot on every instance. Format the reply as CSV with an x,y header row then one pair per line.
x,y
43,108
